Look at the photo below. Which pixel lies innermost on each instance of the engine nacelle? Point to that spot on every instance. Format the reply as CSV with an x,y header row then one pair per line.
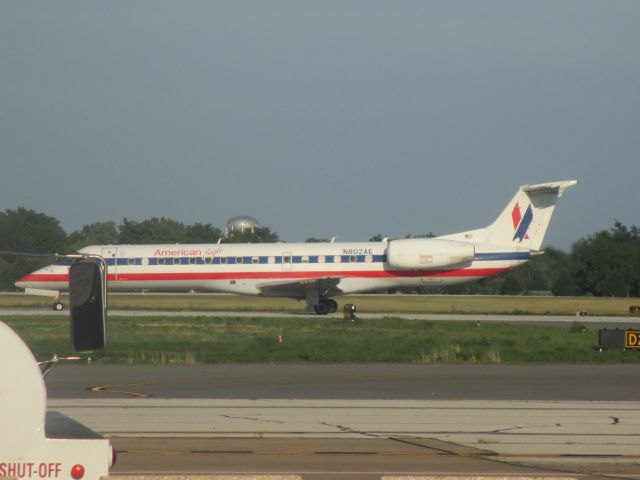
x,y
428,253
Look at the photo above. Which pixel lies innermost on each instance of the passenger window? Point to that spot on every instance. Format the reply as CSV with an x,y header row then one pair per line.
x,y
131,261
176,261
305,259
321,259
239,259
337,259
353,259
255,259
286,259
207,260
161,261
271,260
192,261
368,259
223,259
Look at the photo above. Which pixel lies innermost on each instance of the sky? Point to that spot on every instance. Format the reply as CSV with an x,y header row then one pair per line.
x,y
320,119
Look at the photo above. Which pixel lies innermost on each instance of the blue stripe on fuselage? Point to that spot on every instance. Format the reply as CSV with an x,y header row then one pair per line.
x,y
485,257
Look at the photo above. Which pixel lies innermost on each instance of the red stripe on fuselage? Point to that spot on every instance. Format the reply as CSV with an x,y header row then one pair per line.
x,y
181,276
45,277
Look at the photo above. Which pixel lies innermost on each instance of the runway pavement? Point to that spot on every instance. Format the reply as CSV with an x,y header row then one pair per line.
x,y
343,438
361,421
350,382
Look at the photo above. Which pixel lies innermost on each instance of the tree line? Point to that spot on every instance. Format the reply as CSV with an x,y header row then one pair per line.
x,y
606,263
23,230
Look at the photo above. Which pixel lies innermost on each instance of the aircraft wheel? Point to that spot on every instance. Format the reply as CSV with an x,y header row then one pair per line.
x,y
322,308
58,306
333,305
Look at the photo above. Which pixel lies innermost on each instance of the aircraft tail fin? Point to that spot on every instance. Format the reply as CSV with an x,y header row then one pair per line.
x,y
525,219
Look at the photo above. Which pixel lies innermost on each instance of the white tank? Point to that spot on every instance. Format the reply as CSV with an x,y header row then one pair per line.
x,y
241,224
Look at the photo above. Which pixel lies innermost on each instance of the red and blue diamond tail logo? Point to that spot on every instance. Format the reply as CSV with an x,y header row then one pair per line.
x,y
521,223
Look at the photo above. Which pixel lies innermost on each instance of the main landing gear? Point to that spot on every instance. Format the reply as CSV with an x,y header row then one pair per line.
x,y
326,305
58,306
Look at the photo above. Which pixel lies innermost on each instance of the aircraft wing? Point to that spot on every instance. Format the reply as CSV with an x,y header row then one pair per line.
x,y
299,287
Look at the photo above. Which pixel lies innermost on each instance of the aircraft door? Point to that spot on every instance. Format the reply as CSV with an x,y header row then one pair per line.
x,y
287,261
110,255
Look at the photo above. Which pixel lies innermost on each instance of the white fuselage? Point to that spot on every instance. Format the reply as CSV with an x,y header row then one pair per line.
x,y
249,268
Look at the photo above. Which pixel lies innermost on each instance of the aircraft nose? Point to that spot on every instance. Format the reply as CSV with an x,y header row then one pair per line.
x,y
23,282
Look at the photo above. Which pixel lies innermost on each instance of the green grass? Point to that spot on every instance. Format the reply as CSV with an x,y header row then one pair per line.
x,y
366,303
179,340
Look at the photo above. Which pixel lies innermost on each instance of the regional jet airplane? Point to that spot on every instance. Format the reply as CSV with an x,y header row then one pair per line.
x,y
315,272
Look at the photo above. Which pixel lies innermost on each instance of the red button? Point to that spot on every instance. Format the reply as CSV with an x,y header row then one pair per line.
x,y
77,471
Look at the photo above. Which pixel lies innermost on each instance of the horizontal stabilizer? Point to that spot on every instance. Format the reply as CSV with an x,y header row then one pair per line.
x,y
551,187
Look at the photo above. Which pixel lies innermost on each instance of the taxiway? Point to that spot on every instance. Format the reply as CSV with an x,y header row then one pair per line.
x,y
590,321
360,421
